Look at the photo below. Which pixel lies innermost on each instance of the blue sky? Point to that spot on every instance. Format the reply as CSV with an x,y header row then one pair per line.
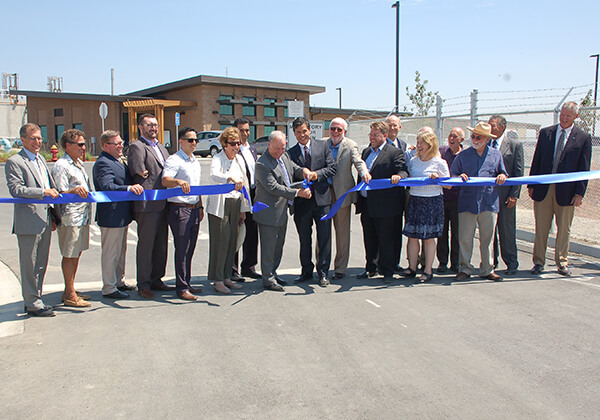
x,y
456,45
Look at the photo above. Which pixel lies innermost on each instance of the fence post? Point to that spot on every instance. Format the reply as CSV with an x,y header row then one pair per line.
x,y
474,108
438,116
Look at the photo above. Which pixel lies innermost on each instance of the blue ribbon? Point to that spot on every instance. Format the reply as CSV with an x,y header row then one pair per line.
x,y
381,184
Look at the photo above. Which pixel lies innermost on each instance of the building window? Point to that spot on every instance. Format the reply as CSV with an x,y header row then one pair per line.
x,y
58,112
269,130
224,126
78,126
44,132
286,109
249,110
226,109
270,111
326,125
59,129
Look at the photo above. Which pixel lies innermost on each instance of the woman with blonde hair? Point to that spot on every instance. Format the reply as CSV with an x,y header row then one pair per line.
x,y
424,219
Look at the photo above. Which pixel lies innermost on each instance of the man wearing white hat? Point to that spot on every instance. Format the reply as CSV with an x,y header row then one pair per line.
x,y
478,206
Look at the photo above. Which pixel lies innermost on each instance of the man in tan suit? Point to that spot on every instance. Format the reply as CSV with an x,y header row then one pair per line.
x,y
345,154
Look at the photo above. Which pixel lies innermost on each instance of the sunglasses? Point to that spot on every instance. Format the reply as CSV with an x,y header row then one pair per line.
x,y
119,144
233,143
192,140
78,144
474,137
339,129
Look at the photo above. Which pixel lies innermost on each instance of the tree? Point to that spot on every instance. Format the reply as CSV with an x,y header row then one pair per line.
x,y
587,118
422,98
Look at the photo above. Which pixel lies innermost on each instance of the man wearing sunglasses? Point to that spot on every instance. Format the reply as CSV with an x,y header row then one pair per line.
x,y
478,206
345,154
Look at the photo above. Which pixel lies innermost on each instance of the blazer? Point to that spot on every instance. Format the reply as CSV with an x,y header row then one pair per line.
x,y
322,163
141,157
512,155
343,180
388,202
110,174
575,157
272,190
23,181
215,204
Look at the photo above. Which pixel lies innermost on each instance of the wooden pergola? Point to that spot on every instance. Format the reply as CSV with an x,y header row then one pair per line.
x,y
152,106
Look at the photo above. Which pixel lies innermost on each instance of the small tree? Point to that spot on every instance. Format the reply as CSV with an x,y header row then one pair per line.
x,y
422,98
587,118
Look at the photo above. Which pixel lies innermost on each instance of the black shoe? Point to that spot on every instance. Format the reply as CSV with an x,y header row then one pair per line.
x,y
408,273
323,281
44,312
251,274
366,274
117,294
537,269
388,279
337,276
563,270
398,269
303,278
126,287
442,269
454,269
238,278
510,272
275,287
280,281
424,278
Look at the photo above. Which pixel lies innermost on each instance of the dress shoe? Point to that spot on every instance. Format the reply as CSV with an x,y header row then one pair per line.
x,y
408,273
366,274
442,269
237,277
462,276
424,278
492,276
337,276
126,287
186,295
251,274
323,281
195,290
388,279
303,278
77,303
280,281
454,269
275,287
398,269
146,293
563,270
537,269
117,294
162,287
231,284
510,272
44,312
221,288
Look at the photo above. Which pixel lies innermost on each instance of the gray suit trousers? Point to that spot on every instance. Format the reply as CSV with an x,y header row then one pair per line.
x,y
33,259
272,239
506,231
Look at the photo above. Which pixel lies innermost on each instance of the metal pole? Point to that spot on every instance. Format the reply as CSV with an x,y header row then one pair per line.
x,y
438,116
397,7
595,93
474,108
112,82
340,89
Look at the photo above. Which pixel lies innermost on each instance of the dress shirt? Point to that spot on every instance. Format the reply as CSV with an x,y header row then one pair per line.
x,y
181,166
567,134
490,164
371,160
69,174
157,152
499,141
302,146
334,151
249,161
41,169
450,194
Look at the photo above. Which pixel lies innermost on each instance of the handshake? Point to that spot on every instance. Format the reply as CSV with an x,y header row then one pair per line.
x,y
309,176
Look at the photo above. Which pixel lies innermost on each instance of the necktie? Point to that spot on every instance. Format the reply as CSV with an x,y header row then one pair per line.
x,y
43,173
285,174
307,159
559,148
495,144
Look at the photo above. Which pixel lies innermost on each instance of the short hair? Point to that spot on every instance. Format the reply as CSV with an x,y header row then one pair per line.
x,y
143,116
184,131
275,134
107,135
298,123
434,146
69,136
228,134
240,121
499,119
392,116
341,121
461,132
571,106
24,131
381,126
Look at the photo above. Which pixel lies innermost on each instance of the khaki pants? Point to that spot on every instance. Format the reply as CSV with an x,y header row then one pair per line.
x,y
467,223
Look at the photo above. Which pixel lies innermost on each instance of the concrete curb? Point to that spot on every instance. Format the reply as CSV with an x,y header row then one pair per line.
x,y
574,247
11,303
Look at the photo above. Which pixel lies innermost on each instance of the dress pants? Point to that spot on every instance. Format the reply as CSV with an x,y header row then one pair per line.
x,y
544,211
151,252
223,233
185,224
378,237
114,249
304,215
505,237
341,223
272,239
250,246
450,232
468,222
33,261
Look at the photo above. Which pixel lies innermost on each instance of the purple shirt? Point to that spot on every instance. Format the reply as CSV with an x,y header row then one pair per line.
x,y
447,154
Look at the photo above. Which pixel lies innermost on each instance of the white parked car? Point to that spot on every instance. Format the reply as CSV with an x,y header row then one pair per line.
x,y
208,143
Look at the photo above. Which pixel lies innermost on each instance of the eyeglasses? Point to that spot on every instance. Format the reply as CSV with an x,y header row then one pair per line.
x,y
151,125
339,129
192,140
118,144
233,143
78,144
474,137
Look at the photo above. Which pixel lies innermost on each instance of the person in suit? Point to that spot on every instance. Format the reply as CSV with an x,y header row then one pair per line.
x,y
346,156
316,156
250,245
379,209
146,159
506,227
275,175
560,148
394,126
110,173
27,176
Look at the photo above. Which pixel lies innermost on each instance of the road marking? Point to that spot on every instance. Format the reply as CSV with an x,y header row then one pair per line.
x,y
403,325
373,303
581,282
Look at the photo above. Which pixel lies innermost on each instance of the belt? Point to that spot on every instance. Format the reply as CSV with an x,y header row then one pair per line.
x,y
198,205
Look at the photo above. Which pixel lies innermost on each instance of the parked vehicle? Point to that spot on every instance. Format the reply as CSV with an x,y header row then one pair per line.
x,y
208,143
260,144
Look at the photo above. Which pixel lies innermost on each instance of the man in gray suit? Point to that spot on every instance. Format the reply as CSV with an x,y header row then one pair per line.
x,y
345,154
506,227
27,176
275,173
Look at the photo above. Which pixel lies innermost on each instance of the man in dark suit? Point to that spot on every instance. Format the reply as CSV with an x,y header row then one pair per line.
x,y
250,246
111,174
316,156
275,173
379,208
28,177
146,159
506,226
560,148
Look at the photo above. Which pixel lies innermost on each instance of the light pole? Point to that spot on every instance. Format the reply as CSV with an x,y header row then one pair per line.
x,y
595,93
340,89
397,7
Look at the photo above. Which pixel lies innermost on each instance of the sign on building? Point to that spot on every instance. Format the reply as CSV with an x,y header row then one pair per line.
x,y
316,132
295,109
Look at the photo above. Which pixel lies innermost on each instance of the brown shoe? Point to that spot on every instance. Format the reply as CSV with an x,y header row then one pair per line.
x,y
196,290
221,288
232,285
186,295
492,276
77,303
462,276
146,293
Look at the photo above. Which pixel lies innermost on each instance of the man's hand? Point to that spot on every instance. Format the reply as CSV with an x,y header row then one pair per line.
x,y
434,175
143,174
511,202
184,185
304,193
500,179
80,191
395,179
530,192
136,189
237,182
201,214
367,177
51,192
242,218
577,200
464,177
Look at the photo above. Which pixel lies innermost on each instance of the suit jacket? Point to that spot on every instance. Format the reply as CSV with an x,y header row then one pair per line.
x,y
141,157
388,202
343,180
23,181
110,174
255,156
575,157
272,190
512,155
322,163
402,143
